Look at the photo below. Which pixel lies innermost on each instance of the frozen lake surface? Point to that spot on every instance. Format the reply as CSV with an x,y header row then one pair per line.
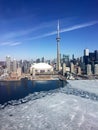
x,y
66,108
86,85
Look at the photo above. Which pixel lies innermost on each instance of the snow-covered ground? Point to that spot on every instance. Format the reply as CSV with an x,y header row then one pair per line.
x,y
53,110
86,85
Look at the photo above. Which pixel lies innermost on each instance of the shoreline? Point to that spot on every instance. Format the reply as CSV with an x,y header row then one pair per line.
x,y
39,79
45,78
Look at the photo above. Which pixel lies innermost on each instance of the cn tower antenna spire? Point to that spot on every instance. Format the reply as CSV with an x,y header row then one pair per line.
x,y
58,29
58,48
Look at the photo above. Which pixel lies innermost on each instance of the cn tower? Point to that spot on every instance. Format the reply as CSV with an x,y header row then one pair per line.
x,y
58,65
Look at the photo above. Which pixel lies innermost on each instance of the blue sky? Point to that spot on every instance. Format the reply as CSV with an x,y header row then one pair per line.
x,y
28,27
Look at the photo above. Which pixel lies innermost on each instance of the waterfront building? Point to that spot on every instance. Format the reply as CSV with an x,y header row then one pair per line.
x,y
26,66
66,60
14,65
83,68
33,72
8,63
1,70
96,69
71,67
79,70
41,68
88,71
64,68
58,64
19,71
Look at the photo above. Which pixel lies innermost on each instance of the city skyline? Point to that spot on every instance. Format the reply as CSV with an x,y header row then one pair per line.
x,y
28,29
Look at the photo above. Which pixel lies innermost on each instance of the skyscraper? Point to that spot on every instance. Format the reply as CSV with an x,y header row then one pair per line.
x,y
96,55
86,56
8,63
96,69
66,60
14,65
71,67
64,69
86,52
88,71
58,65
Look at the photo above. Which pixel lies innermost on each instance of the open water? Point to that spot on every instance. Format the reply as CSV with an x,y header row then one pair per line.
x,y
15,90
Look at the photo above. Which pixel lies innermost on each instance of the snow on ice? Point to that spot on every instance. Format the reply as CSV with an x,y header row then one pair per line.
x,y
86,85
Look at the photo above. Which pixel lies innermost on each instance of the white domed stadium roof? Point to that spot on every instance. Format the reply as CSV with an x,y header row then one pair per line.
x,y
41,66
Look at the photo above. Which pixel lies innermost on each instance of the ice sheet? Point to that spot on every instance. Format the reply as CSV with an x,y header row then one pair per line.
x,y
56,111
86,85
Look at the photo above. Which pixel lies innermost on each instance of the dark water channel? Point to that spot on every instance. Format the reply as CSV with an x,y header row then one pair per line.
x,y
14,90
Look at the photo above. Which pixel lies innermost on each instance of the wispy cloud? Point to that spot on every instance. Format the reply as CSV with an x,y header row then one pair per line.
x,y
16,34
5,43
25,32
10,43
15,43
75,27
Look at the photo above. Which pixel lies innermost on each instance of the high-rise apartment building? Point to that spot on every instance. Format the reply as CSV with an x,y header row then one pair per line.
x,y
96,69
14,65
86,56
89,72
8,63
19,71
71,67
66,59
79,70
64,68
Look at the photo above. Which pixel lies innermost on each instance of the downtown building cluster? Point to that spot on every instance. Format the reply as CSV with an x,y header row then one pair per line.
x,y
14,69
85,65
90,60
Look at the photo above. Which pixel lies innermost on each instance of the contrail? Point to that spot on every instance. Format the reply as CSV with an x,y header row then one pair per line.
x,y
10,43
79,26
75,27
